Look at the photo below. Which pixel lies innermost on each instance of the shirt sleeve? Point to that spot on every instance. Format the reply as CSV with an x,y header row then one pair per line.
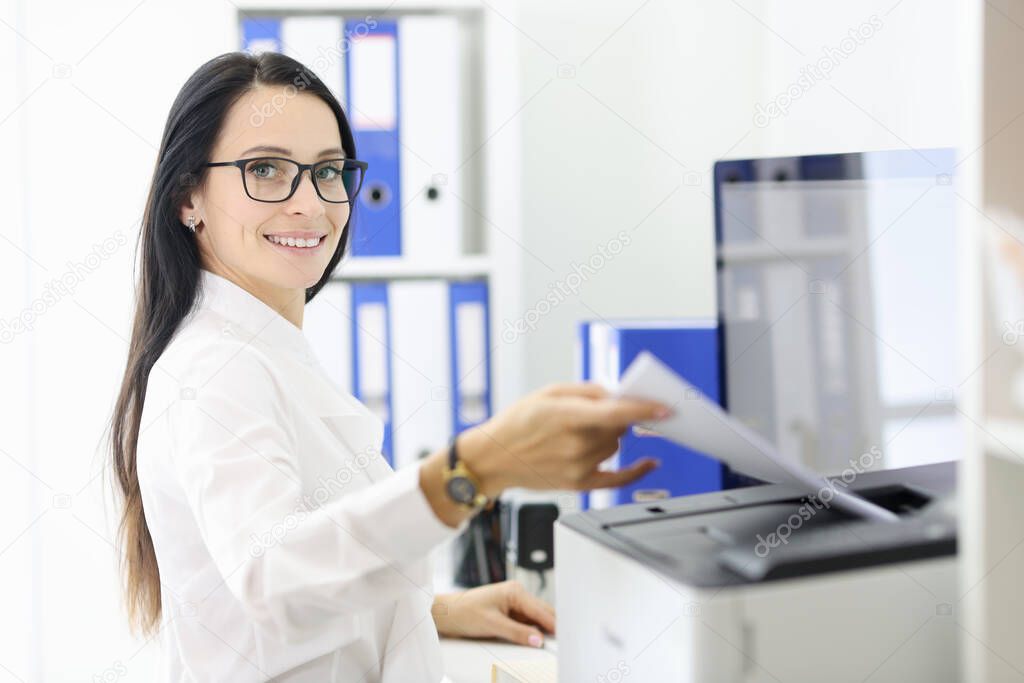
x,y
293,566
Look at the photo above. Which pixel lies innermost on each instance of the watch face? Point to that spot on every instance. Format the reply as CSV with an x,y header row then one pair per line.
x,y
461,490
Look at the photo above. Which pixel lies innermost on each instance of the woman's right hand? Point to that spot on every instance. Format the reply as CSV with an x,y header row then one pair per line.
x,y
555,438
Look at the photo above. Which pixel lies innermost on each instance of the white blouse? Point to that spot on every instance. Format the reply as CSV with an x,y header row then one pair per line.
x,y
288,548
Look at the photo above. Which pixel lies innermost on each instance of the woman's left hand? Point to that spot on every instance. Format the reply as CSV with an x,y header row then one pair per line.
x,y
502,610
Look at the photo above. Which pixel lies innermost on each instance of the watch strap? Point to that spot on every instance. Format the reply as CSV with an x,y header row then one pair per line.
x,y
457,468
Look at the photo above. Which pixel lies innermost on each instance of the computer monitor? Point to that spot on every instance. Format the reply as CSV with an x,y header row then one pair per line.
x,y
836,299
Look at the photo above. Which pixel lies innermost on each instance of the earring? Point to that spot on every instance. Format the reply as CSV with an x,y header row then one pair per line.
x,y
192,223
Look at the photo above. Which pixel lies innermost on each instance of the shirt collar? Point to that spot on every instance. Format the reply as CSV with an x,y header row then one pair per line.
x,y
252,318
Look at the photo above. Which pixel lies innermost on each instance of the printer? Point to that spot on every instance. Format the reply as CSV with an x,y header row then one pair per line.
x,y
763,584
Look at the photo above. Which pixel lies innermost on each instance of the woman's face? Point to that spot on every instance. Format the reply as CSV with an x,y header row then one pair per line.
x,y
233,229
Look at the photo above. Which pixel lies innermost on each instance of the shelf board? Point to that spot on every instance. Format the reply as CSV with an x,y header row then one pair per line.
x,y
342,6
392,268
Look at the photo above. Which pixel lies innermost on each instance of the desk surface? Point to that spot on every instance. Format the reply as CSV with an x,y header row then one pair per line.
x,y
469,661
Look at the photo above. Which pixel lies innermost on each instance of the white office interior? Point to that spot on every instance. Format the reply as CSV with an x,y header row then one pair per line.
x,y
580,167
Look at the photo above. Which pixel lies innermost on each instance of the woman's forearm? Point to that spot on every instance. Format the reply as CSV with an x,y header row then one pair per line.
x,y
441,613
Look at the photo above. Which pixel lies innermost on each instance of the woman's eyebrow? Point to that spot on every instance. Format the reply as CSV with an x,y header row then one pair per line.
x,y
267,148
332,151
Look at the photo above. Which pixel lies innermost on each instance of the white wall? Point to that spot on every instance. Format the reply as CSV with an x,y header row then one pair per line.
x,y
895,89
94,83
625,146
18,508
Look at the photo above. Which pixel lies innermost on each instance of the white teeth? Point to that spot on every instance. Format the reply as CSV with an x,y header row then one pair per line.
x,y
293,242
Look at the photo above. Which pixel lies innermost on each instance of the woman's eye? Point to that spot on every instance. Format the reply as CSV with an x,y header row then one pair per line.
x,y
328,173
263,170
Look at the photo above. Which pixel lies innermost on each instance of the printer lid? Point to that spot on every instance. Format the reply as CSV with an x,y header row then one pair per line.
x,y
772,532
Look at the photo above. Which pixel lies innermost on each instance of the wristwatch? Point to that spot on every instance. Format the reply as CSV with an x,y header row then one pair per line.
x,y
460,484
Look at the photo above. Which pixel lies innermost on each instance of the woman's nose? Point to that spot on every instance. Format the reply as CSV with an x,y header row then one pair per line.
x,y
305,200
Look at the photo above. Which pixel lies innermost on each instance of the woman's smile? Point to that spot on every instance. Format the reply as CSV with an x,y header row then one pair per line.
x,y
309,244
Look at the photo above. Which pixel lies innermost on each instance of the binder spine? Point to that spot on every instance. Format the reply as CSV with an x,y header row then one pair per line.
x,y
371,354
469,328
374,100
261,34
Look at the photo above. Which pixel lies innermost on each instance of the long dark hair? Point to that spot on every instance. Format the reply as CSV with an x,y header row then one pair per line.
x,y
168,281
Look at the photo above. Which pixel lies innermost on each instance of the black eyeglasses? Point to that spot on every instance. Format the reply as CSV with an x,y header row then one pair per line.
x,y
275,179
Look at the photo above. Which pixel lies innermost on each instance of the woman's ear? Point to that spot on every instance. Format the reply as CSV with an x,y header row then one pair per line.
x,y
191,208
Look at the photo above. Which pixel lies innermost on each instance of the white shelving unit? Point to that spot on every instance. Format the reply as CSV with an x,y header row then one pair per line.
x,y
386,268
491,169
991,473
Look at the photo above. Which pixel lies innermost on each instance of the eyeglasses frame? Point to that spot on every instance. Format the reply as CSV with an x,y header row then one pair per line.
x,y
240,164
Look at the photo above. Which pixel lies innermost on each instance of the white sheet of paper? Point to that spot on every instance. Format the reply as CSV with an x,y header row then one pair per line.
x,y
699,423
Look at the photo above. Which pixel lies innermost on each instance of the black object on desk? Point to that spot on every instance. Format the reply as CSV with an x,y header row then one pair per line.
x,y
479,550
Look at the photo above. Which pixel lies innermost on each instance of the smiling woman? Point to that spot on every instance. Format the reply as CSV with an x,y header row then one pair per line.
x,y
224,556
210,119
